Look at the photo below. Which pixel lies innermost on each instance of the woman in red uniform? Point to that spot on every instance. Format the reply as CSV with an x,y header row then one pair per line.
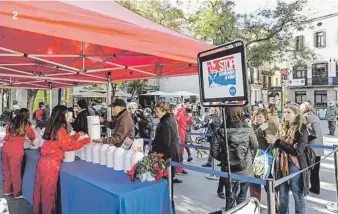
x,y
57,141
12,152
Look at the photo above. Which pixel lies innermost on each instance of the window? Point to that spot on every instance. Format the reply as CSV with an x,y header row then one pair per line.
x,y
299,72
299,43
277,81
269,82
300,96
320,39
265,81
320,98
320,69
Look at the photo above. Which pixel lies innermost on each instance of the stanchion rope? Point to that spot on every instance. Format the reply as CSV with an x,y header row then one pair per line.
x,y
220,173
282,180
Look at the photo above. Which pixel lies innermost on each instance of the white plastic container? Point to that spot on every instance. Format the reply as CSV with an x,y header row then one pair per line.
x,y
69,156
94,127
96,152
83,153
110,156
89,152
137,156
119,159
36,142
127,160
103,154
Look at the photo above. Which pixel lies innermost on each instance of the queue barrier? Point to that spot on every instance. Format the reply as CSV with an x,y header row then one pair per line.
x,y
270,183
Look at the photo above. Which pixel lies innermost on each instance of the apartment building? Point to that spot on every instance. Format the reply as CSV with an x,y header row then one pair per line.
x,y
316,81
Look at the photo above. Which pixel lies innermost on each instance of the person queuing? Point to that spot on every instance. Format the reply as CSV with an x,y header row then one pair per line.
x,y
309,112
166,139
291,159
188,134
182,122
243,143
80,124
213,123
38,116
13,151
122,125
135,115
146,124
331,116
57,141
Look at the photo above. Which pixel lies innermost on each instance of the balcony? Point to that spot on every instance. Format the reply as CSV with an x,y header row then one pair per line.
x,y
297,82
318,80
333,80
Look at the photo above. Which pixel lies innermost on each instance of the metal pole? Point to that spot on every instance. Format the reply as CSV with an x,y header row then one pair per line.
x,y
170,182
50,98
109,101
335,205
209,176
227,162
271,197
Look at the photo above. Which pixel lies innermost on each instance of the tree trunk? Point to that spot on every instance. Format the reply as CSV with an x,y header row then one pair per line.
x,y
31,94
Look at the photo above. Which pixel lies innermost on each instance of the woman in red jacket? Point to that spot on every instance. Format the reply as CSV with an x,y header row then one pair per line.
x,y
57,141
13,151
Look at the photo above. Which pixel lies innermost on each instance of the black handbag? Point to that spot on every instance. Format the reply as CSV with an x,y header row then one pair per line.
x,y
311,132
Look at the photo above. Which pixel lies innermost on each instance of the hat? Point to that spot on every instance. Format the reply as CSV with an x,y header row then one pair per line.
x,y
118,102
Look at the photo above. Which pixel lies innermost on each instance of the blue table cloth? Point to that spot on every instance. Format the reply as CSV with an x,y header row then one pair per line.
x,y
92,188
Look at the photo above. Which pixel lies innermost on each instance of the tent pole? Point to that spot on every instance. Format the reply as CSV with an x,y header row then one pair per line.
x,y
109,101
50,98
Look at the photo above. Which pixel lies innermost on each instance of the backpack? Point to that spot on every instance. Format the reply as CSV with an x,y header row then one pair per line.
x,y
310,156
239,146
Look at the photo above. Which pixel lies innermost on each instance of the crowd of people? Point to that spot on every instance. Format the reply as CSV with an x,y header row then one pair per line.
x,y
286,139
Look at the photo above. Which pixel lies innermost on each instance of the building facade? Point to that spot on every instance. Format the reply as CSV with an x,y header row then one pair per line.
x,y
316,81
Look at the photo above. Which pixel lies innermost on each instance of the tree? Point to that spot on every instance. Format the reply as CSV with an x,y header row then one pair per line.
x,y
268,33
159,11
136,87
31,94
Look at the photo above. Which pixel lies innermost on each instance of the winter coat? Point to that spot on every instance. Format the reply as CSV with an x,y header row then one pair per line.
x,y
182,119
218,147
146,127
332,113
314,120
122,127
166,139
81,124
296,149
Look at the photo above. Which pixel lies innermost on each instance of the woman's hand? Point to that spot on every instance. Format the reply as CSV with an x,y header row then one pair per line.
x,y
81,133
271,139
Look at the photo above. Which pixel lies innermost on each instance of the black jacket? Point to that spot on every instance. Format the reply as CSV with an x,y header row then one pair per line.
x,y
145,126
80,124
166,139
296,149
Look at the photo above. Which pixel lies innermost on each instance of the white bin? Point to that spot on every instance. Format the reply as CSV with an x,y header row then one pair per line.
x,y
103,154
127,160
110,156
119,159
69,156
94,127
96,152
89,152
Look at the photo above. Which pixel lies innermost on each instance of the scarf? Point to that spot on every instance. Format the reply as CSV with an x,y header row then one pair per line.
x,y
284,159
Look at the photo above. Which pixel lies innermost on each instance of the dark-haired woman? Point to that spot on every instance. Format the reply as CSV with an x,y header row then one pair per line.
x,y
166,138
12,152
57,141
80,123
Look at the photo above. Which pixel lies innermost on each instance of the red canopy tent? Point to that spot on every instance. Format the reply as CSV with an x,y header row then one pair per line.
x,y
56,44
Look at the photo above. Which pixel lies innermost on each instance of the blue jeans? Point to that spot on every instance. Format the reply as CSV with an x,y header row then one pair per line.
x,y
240,190
297,192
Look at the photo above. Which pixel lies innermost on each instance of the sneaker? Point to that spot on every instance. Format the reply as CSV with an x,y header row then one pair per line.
x,y
189,159
18,197
7,194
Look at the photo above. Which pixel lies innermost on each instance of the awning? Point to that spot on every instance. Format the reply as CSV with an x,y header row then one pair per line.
x,y
182,94
157,93
61,44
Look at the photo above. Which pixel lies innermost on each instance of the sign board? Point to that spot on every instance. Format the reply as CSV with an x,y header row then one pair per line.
x,y
222,73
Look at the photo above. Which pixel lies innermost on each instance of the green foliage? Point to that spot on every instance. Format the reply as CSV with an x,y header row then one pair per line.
x,y
159,11
268,33
136,87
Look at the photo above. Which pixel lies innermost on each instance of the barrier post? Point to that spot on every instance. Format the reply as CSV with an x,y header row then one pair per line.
x,y
336,174
170,180
271,197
